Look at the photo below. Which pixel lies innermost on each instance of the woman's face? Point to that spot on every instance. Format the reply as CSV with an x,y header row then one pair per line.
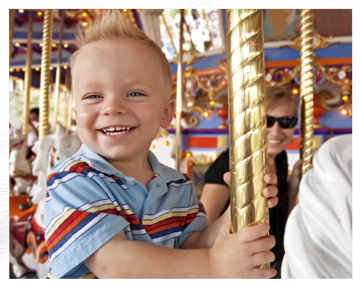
x,y
277,137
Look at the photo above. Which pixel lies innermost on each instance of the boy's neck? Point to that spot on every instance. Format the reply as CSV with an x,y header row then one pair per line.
x,y
139,169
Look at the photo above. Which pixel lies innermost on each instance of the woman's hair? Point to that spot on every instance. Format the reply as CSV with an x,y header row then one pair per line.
x,y
275,97
113,25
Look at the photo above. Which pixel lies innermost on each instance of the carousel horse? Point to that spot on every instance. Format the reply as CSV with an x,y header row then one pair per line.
x,y
35,253
20,169
318,234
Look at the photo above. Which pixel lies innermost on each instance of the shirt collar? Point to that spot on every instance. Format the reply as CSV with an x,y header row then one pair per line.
x,y
99,163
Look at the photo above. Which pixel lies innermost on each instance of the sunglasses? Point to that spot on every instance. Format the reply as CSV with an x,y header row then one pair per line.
x,y
287,122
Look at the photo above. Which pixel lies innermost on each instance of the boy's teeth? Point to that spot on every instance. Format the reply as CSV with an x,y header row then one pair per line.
x,y
118,128
112,129
121,130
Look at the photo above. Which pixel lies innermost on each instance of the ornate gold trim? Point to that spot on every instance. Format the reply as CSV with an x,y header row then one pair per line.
x,y
319,42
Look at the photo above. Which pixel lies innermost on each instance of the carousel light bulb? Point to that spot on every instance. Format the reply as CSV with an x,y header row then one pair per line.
x,y
190,104
17,69
11,69
166,143
212,103
188,154
84,14
54,44
21,11
17,44
152,147
206,114
23,69
295,91
39,13
345,98
124,10
84,24
37,68
65,66
343,112
51,68
66,45
41,44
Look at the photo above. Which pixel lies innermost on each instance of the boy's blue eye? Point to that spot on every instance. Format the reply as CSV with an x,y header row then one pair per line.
x,y
135,94
93,96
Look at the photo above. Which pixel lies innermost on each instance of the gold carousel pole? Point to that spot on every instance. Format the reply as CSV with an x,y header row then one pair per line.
x,y
168,31
69,116
179,94
66,95
45,73
306,88
11,31
247,118
25,123
58,70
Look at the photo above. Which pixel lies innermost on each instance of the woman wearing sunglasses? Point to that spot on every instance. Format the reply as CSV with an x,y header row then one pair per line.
x,y
282,117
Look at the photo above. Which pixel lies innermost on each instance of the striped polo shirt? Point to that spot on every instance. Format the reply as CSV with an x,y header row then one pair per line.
x,y
89,201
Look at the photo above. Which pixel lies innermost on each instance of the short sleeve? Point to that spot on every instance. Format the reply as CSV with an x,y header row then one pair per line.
x,y
195,218
80,216
216,171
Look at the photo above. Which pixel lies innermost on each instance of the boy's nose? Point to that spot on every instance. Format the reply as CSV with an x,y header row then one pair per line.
x,y
114,107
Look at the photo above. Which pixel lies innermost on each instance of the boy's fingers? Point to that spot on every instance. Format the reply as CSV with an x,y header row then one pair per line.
x,y
296,167
272,202
270,161
262,273
227,178
270,178
262,258
270,191
263,244
254,232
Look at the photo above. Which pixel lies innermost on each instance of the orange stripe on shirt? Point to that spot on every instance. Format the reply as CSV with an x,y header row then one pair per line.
x,y
68,229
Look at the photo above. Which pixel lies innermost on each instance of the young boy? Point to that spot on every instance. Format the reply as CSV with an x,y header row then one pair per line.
x,y
112,210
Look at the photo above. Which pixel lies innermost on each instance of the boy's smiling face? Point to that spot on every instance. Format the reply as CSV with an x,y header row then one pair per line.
x,y
121,99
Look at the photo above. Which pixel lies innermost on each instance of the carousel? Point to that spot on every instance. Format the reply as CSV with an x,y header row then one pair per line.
x,y
222,61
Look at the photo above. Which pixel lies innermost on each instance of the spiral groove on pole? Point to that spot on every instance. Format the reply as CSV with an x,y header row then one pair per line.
x,y
58,70
25,123
306,88
45,73
247,118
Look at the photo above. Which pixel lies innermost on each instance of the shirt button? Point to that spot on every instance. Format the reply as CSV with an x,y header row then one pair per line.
x,y
130,182
158,185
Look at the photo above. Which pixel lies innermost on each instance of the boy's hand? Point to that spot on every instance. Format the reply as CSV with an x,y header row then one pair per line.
x,y
269,191
240,255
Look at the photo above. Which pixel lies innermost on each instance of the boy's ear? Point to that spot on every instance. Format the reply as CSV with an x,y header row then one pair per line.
x,y
168,114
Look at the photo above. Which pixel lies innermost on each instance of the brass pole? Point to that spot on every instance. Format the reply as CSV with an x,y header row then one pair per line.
x,y
69,116
11,31
247,118
168,31
25,124
45,73
306,88
179,94
207,24
58,70
66,94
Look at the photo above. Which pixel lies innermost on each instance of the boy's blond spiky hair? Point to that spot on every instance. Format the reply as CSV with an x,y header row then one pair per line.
x,y
113,25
